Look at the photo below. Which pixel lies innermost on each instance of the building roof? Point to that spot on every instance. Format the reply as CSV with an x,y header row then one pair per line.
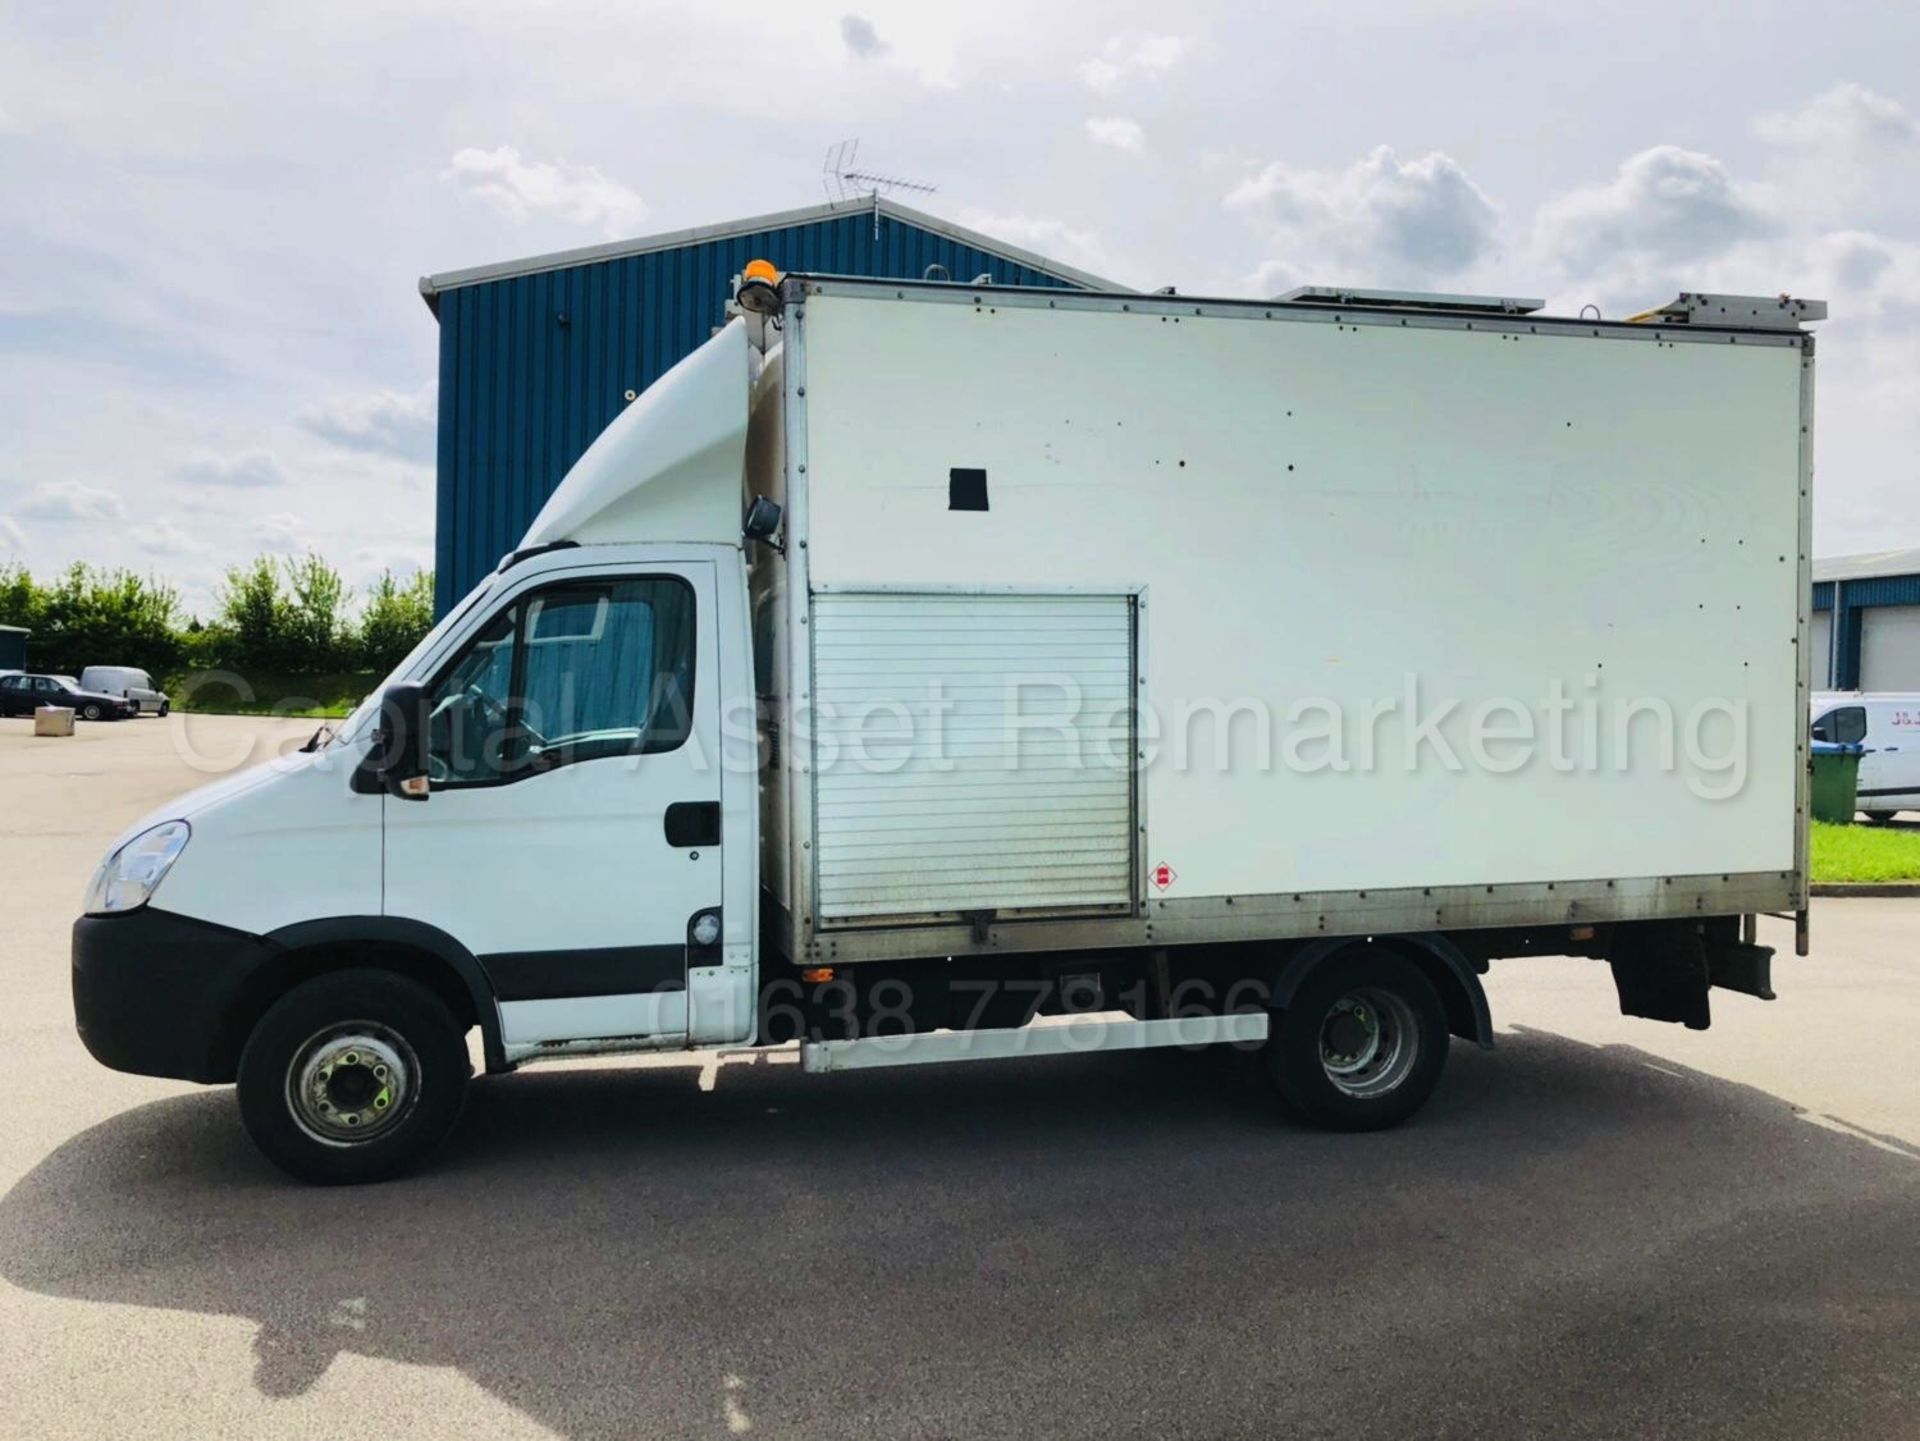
x,y
431,286
1869,566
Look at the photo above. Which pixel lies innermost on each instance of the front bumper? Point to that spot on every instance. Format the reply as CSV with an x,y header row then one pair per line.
x,y
151,991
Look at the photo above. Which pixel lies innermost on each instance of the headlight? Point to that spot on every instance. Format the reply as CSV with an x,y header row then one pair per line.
x,y
129,876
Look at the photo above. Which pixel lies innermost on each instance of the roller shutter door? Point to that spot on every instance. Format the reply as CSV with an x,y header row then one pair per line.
x,y
972,753
1890,648
1820,648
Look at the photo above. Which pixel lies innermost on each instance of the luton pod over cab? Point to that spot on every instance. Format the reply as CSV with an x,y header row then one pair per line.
x,y
936,673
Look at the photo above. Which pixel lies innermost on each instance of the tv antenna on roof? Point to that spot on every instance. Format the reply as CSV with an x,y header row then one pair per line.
x,y
844,181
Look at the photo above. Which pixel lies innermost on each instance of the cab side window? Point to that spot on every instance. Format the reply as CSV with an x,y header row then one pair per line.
x,y
1848,725
574,672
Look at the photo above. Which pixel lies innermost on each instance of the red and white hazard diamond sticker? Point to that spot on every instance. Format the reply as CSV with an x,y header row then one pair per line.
x,y
1164,875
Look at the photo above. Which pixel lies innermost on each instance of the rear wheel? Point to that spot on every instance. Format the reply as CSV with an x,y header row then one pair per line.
x,y
1880,818
352,1077
1361,1043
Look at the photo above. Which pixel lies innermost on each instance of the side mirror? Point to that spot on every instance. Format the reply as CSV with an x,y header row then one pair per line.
x,y
763,519
399,755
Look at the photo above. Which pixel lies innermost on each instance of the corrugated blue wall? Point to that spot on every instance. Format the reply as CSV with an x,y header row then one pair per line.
x,y
1849,600
533,367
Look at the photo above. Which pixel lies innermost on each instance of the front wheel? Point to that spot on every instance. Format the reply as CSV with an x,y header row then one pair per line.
x,y
352,1077
165,707
1880,818
1361,1043
90,711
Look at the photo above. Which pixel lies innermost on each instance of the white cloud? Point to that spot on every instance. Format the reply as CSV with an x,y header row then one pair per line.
x,y
11,536
1849,117
1380,220
1846,157
72,500
380,422
1115,130
524,189
863,42
401,559
1127,57
283,532
245,471
1663,205
1045,236
160,536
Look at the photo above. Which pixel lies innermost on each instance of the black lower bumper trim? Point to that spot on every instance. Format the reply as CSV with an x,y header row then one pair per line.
x,y
150,989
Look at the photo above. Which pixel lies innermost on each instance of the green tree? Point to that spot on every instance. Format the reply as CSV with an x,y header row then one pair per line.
x,y
318,630
95,616
251,628
397,615
20,599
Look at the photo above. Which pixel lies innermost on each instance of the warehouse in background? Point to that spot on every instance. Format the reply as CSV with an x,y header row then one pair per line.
x,y
1866,622
538,355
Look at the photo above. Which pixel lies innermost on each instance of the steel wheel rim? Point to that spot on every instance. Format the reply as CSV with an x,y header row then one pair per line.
x,y
353,1082
1369,1041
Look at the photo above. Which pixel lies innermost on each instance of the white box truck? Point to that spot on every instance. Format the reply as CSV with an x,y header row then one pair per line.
x,y
1088,671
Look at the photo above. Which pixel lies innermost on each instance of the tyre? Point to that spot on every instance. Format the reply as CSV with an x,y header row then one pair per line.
x,y
1361,1043
90,711
353,1076
1880,818
165,706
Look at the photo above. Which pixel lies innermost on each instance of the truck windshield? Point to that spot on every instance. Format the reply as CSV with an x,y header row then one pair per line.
x,y
362,714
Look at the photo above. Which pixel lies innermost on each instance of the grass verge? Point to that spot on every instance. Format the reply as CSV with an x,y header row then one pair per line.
x,y
1842,854
228,693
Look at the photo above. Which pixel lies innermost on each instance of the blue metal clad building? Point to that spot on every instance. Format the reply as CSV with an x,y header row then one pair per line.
x,y
537,356
1866,622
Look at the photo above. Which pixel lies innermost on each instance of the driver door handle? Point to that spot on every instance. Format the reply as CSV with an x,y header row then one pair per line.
x,y
693,823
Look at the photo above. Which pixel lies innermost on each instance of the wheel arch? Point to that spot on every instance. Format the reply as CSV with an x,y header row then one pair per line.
x,y
1443,963
420,952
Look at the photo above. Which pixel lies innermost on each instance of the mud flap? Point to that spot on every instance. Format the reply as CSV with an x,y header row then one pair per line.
x,y
1660,971
1742,966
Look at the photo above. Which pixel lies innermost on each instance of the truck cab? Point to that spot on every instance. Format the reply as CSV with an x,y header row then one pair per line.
x,y
543,825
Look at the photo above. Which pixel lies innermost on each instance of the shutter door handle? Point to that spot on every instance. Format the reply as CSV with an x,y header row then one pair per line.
x,y
693,823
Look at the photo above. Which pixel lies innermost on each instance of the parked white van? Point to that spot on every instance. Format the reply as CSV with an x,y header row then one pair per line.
x,y
129,681
1888,725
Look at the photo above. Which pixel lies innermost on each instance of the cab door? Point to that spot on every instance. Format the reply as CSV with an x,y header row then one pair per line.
x,y
570,834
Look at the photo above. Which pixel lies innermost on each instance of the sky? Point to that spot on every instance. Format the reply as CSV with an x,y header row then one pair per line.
x,y
214,215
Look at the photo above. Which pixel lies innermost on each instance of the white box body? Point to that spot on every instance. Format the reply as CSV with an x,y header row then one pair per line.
x,y
1317,522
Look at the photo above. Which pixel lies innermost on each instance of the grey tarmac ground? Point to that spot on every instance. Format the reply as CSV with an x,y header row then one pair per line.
x,y
1602,1228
